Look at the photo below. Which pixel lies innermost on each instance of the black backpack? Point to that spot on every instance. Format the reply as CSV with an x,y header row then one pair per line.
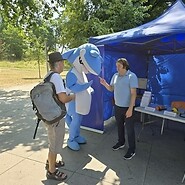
x,y
46,104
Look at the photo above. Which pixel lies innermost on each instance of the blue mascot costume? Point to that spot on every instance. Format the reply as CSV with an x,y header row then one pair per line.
x,y
84,59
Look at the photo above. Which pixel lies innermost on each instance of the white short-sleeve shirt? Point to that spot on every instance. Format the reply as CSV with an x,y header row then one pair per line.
x,y
56,79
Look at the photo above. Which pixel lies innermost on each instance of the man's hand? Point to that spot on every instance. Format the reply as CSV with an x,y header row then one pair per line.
x,y
129,113
105,84
102,81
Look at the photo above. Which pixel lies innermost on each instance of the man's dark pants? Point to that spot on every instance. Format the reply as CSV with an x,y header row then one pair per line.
x,y
123,122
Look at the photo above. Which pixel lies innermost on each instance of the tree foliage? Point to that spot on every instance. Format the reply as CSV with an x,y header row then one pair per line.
x,y
12,42
26,12
28,26
157,7
82,19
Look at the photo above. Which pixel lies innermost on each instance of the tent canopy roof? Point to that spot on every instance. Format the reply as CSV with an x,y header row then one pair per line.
x,y
164,35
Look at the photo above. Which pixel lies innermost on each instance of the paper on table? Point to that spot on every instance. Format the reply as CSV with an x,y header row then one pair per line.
x,y
145,99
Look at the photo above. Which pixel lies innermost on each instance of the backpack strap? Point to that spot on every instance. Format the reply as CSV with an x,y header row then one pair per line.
x,y
38,121
55,96
47,79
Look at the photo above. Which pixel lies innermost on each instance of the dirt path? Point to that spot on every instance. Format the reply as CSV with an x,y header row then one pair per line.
x,y
23,87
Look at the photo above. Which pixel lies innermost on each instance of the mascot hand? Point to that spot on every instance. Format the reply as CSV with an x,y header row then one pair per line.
x,y
80,87
87,85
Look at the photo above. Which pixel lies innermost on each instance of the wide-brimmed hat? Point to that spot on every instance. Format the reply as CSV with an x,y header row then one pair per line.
x,y
55,57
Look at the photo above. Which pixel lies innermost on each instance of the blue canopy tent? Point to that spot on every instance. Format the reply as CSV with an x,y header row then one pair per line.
x,y
155,51
164,35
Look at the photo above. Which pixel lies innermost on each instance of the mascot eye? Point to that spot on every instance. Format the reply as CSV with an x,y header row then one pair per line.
x,y
80,60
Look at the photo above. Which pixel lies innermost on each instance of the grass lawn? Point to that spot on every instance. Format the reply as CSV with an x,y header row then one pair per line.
x,y
21,73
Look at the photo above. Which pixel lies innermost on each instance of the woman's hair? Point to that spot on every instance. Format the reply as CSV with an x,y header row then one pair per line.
x,y
124,62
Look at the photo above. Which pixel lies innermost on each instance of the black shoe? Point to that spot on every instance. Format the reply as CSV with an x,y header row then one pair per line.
x,y
129,155
117,146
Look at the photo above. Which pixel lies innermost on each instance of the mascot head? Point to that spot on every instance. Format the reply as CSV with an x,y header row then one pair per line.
x,y
86,58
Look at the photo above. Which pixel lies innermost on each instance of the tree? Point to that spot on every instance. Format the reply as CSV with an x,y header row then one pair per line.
x,y
82,19
157,7
25,12
117,15
12,42
41,41
72,24
77,19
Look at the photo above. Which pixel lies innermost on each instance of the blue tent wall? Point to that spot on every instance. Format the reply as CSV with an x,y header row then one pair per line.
x,y
138,64
159,38
94,120
102,100
166,76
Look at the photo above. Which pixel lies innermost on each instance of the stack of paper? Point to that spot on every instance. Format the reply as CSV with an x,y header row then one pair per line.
x,y
146,99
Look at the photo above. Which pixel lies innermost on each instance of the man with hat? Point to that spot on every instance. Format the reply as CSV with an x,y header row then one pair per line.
x,y
56,131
